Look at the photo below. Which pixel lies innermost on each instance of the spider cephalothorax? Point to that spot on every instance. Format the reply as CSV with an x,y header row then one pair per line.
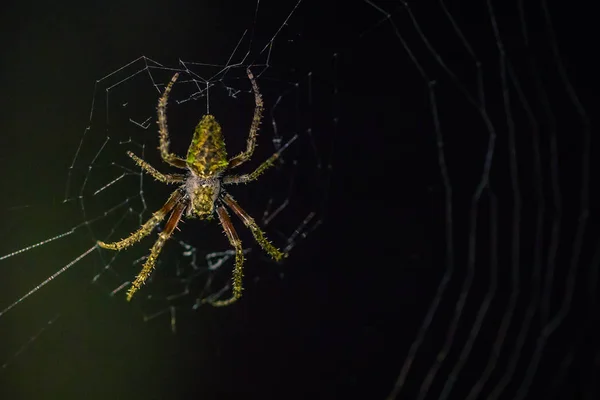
x,y
200,193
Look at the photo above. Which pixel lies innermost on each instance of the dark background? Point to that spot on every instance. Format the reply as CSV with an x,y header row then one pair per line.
x,y
355,292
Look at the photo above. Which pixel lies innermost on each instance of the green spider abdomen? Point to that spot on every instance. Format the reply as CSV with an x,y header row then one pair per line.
x,y
207,155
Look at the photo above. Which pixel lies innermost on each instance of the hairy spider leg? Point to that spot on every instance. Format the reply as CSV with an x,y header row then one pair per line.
x,y
258,234
148,267
260,169
238,272
145,229
256,119
163,131
164,178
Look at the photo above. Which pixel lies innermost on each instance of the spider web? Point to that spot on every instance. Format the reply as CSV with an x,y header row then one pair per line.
x,y
124,103
515,306
474,120
108,195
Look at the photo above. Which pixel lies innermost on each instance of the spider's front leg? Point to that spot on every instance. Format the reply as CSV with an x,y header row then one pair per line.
x,y
145,229
258,234
144,274
238,272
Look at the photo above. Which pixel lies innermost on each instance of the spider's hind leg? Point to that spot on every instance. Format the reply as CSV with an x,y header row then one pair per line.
x,y
163,131
256,119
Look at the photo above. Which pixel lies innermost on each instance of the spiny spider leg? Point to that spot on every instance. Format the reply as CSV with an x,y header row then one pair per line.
x,y
160,242
238,272
145,229
256,119
258,234
164,178
163,131
261,168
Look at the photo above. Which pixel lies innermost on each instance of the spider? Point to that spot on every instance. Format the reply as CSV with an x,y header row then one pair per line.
x,y
201,191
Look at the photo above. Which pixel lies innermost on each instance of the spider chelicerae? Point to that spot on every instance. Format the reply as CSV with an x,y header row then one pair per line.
x,y
201,190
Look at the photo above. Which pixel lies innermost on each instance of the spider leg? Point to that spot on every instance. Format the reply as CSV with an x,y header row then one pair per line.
x,y
170,226
163,131
145,229
258,234
251,142
164,178
238,272
261,168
